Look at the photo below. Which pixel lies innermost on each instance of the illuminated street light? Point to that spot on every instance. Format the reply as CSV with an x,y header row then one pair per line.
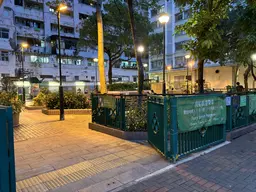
x,y
163,19
169,68
253,57
60,8
141,49
23,46
95,60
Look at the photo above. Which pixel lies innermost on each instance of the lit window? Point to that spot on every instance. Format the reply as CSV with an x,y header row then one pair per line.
x,y
39,59
51,10
42,44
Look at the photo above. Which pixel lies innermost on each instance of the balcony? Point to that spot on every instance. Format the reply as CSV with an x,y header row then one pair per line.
x,y
64,20
62,33
36,50
29,32
29,13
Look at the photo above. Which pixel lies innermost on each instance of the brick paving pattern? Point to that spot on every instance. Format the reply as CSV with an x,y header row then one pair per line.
x,y
230,168
66,156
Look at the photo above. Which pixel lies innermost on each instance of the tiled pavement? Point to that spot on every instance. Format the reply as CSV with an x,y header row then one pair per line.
x,y
66,156
230,168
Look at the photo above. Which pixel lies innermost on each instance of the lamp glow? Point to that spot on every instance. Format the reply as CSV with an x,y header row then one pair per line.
x,y
95,60
164,18
62,7
253,57
187,56
24,45
140,48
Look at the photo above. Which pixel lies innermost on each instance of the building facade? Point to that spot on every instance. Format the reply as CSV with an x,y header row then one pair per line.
x,y
216,76
35,23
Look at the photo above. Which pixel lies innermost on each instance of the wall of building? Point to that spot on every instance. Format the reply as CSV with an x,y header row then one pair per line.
x,y
35,26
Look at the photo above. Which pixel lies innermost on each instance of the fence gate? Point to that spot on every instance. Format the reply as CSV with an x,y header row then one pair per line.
x,y
7,165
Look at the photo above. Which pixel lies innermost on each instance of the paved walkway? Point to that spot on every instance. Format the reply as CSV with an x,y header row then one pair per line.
x,y
231,168
66,156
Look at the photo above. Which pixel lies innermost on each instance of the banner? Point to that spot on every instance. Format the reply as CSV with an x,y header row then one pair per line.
x,y
252,104
109,101
196,112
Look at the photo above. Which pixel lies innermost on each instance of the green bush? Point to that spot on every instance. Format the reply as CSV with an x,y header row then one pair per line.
x,y
40,99
127,86
71,101
122,87
11,99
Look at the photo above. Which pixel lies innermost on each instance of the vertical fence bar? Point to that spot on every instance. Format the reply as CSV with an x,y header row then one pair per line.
x,y
174,129
122,112
165,127
247,110
11,151
4,161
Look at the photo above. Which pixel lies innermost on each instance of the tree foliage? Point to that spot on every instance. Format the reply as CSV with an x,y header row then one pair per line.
x,y
206,43
240,34
117,35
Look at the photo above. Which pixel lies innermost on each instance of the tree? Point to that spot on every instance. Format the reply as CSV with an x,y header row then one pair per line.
x,y
206,43
117,36
101,67
136,36
240,34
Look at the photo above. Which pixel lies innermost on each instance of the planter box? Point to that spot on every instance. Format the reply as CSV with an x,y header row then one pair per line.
x,y
240,132
16,119
127,135
30,107
67,111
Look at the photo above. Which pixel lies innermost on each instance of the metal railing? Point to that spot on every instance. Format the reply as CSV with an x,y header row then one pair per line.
x,y
124,112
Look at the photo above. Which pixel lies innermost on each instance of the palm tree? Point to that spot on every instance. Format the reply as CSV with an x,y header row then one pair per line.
x,y
101,67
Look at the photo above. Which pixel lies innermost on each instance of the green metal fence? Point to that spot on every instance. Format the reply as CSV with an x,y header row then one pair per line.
x,y
7,165
124,112
179,125
241,110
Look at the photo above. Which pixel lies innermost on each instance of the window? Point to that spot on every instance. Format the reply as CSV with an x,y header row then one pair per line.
x,y
4,56
64,78
92,77
82,16
187,14
78,62
6,12
161,10
88,2
39,59
4,33
157,64
179,45
5,75
42,44
134,79
178,81
178,17
153,12
179,61
18,2
76,78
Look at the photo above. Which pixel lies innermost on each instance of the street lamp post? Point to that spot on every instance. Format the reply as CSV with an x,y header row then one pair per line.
x,y
141,49
145,65
23,46
60,8
95,60
187,58
163,19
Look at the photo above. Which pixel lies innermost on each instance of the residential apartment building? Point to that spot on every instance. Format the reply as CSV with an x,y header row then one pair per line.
x,y
35,23
216,76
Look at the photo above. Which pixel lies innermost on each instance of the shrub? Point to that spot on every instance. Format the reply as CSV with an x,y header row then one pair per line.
x,y
71,101
122,87
40,99
11,99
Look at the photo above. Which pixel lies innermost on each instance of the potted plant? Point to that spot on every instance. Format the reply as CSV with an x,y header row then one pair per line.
x,y
11,99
